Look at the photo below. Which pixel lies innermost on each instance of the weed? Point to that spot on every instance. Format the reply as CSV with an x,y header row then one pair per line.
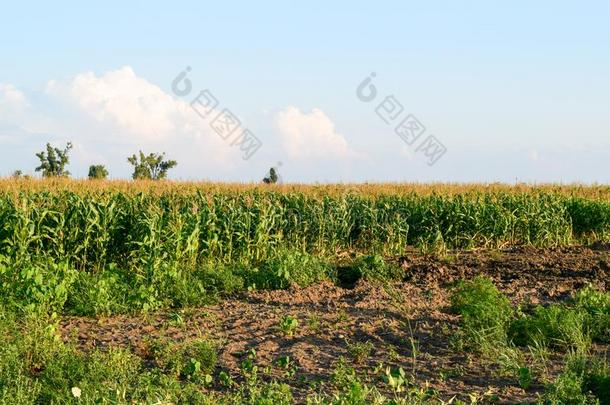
x,y
193,360
555,325
360,351
485,313
314,323
289,325
374,267
289,267
596,305
396,379
288,365
583,381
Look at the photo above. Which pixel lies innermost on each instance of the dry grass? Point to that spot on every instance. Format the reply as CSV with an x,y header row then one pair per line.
x,y
594,191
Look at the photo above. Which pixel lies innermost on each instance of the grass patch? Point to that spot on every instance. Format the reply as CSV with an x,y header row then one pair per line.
x,y
194,360
485,313
556,326
583,381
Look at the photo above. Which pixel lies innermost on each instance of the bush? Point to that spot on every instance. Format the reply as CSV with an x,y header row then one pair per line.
x,y
486,313
43,284
596,304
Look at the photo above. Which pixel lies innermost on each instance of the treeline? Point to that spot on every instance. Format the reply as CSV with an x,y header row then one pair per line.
x,y
154,166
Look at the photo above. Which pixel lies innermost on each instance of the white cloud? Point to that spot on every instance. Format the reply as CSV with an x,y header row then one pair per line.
x,y
310,135
13,104
10,97
120,97
113,114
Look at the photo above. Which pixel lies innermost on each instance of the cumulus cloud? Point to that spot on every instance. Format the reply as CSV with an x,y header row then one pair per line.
x,y
13,104
113,114
310,135
122,98
11,97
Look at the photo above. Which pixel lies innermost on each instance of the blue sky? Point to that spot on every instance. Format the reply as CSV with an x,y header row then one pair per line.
x,y
513,91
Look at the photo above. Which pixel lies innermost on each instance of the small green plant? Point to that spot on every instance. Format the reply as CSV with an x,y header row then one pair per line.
x,y
596,304
360,351
393,354
248,367
343,374
288,267
396,379
289,325
371,267
288,365
525,378
225,379
219,280
175,319
314,323
584,381
342,317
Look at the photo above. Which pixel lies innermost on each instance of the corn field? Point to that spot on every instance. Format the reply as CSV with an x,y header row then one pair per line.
x,y
97,240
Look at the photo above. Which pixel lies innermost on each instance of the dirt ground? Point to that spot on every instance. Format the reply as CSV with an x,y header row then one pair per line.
x,y
408,323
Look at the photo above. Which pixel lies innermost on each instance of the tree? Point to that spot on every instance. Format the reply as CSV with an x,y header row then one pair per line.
x,y
53,162
151,167
272,178
97,172
17,174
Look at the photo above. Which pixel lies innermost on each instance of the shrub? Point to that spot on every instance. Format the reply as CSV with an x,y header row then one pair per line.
x,y
596,304
485,312
100,294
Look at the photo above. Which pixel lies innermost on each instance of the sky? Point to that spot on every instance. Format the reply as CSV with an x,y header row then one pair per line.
x,y
342,91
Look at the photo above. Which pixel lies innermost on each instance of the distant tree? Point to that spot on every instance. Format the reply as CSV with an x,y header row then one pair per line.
x,y
272,178
17,174
53,162
151,167
97,172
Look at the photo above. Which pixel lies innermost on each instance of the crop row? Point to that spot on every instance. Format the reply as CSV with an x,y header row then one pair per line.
x,y
93,230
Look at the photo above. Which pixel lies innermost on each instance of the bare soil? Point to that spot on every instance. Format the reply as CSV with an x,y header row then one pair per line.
x,y
409,323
